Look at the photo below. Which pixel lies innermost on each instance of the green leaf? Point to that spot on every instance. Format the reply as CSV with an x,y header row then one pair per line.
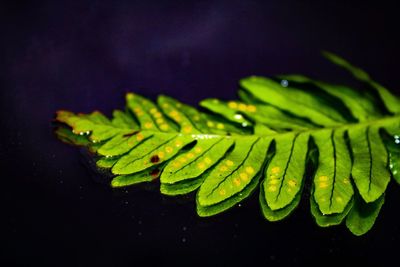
x,y
324,220
391,102
282,136
362,216
370,161
284,175
292,100
333,189
193,163
360,104
233,174
279,214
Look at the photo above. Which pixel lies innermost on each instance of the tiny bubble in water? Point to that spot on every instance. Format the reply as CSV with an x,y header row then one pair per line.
x,y
284,83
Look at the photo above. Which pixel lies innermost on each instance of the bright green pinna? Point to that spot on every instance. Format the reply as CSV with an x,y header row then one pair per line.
x,y
284,135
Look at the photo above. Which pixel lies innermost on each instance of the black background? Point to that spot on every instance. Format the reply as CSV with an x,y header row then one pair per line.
x,y
82,56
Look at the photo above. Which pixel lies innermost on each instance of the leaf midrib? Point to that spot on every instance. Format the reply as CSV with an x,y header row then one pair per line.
x,y
345,126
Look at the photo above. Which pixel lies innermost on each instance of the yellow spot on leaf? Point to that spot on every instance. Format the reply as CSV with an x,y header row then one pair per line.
x,y
236,181
207,160
220,126
139,137
244,176
251,108
346,181
201,165
178,143
272,188
176,164
275,170
198,149
323,178
160,120
174,113
187,129
229,162
161,154
242,107
210,124
153,110
190,155
232,104
273,181
292,183
196,118
148,125
157,115
339,199
164,127
249,170
168,149
182,159
323,185
223,168
222,192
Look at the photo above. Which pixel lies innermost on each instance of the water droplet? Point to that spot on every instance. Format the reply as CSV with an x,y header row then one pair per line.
x,y
238,116
397,141
284,83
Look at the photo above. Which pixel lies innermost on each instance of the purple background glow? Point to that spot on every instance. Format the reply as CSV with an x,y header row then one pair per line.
x,y
85,55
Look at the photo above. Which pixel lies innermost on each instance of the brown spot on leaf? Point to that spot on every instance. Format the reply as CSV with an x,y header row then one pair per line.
x,y
155,173
154,159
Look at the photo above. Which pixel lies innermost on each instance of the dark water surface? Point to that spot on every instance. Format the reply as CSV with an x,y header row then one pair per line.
x,y
85,55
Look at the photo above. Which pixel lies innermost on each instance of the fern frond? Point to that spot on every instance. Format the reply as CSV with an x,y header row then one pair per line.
x,y
279,130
